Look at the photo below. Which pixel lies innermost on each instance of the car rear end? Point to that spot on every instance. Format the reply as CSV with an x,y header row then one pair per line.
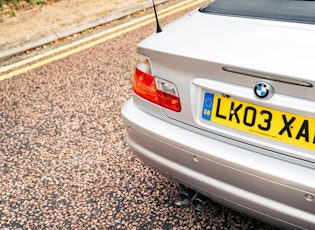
x,y
224,105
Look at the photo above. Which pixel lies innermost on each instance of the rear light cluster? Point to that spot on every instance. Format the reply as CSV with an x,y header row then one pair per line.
x,y
154,89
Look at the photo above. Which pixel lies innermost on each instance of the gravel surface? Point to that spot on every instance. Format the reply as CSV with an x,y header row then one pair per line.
x,y
64,161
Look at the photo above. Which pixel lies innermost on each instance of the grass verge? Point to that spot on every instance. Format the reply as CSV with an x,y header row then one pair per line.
x,y
12,7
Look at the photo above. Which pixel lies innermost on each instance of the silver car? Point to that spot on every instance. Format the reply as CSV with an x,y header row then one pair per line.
x,y
223,104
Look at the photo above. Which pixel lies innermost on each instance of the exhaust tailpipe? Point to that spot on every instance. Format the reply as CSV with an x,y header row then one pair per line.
x,y
200,202
187,195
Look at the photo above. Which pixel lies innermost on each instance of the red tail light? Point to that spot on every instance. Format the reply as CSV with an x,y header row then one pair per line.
x,y
144,86
154,89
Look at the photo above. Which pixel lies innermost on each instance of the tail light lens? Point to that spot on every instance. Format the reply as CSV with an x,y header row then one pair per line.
x,y
154,89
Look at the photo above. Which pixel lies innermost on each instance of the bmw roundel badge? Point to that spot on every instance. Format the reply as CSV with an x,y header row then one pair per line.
x,y
263,90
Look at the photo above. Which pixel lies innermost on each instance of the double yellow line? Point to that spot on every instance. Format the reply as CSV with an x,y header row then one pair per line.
x,y
91,41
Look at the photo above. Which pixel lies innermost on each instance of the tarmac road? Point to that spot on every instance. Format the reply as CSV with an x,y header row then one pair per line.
x,y
64,160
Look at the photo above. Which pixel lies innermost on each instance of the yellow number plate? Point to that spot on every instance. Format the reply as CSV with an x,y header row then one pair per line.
x,y
274,124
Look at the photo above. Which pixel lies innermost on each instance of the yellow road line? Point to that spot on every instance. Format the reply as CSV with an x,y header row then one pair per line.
x,y
103,37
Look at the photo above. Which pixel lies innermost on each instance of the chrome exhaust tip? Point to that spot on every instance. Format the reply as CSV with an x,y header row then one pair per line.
x,y
200,202
186,196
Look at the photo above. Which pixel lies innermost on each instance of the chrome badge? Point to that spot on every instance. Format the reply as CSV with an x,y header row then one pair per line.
x,y
263,90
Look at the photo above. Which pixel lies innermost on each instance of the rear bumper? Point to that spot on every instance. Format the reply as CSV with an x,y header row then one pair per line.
x,y
266,188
